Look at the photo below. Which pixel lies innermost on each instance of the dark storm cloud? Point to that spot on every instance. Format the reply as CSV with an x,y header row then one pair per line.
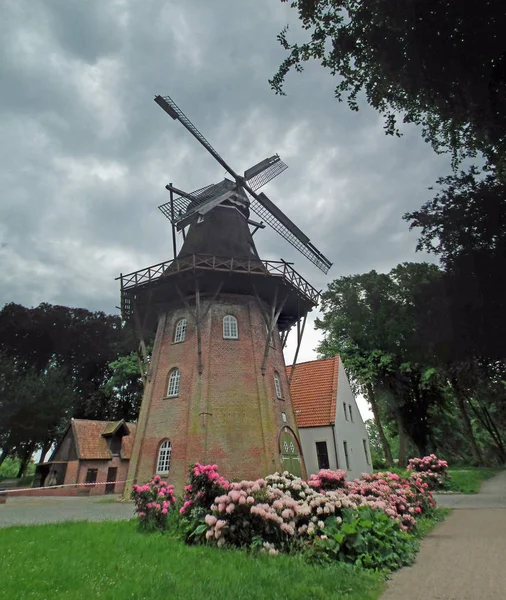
x,y
86,152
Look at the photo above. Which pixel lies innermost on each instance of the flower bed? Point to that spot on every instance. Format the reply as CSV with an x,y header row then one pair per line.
x,y
366,521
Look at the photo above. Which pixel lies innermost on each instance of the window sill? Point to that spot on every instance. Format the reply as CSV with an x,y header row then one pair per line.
x,y
170,397
230,339
180,342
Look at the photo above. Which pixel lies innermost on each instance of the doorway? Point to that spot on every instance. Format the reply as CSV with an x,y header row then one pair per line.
x,y
111,476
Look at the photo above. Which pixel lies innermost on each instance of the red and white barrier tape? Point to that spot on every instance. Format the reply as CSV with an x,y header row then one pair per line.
x,y
62,485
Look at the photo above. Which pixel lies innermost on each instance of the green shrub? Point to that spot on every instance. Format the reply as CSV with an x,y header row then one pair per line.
x,y
365,537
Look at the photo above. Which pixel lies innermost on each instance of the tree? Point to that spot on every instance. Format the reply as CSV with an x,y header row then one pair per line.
x,y
125,387
370,320
465,226
439,64
34,408
56,362
83,342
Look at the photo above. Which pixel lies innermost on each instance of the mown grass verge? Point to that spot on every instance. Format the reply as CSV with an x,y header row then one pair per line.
x,y
113,561
469,480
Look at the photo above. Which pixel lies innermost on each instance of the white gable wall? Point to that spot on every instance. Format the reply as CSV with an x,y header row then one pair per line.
x,y
350,430
308,438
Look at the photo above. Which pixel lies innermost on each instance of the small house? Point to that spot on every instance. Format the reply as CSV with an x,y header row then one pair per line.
x,y
91,452
331,429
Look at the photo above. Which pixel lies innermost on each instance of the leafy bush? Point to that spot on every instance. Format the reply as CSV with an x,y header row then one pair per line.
x,y
431,470
364,537
204,485
402,499
153,502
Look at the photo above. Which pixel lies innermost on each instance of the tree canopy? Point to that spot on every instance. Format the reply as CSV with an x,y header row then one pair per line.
x,y
58,362
439,64
389,330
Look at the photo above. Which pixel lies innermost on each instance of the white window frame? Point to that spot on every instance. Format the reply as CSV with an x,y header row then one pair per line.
x,y
164,454
230,328
277,385
180,331
173,383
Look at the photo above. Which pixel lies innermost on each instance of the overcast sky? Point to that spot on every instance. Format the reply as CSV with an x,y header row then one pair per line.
x,y
86,153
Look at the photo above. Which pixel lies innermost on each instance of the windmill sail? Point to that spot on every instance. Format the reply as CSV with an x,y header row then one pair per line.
x,y
264,172
188,204
271,214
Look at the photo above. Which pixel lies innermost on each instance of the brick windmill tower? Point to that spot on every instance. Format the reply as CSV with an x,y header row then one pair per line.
x,y
216,390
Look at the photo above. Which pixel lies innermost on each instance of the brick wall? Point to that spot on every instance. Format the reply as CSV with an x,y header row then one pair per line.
x,y
228,415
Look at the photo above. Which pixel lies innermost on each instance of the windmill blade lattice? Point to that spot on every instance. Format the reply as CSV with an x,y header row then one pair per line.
x,y
302,244
264,172
186,206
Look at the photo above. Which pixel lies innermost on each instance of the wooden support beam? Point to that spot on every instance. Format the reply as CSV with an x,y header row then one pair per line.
x,y
300,333
275,312
142,354
198,316
198,326
174,249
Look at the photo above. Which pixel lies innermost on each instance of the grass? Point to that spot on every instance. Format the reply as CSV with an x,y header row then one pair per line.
x,y
112,561
469,480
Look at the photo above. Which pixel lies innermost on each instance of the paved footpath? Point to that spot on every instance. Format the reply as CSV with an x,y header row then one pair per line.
x,y
464,557
22,510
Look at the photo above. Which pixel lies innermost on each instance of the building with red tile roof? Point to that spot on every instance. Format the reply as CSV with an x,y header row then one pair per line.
x,y
331,429
91,452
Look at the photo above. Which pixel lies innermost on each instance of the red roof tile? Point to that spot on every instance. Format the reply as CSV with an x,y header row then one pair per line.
x,y
92,445
314,392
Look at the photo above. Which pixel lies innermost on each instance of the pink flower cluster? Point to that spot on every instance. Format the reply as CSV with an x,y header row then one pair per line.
x,y
428,463
431,470
153,501
401,499
326,480
205,483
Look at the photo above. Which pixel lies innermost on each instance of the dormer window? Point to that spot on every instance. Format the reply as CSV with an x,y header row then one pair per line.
x,y
230,328
180,331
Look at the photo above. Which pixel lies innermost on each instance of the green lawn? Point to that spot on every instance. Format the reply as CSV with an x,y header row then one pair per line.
x,y
469,480
113,561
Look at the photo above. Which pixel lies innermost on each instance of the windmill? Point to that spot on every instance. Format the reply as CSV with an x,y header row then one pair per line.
x,y
216,388
188,206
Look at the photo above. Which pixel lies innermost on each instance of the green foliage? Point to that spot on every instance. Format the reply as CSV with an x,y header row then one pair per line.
x,y
111,561
367,538
465,225
469,480
54,364
440,65
370,320
10,467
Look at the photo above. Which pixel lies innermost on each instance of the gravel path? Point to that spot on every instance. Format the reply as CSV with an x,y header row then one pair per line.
x,y
29,511
463,558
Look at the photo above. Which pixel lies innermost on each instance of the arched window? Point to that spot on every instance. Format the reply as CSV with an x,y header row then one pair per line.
x,y
277,385
173,387
163,462
230,328
180,332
